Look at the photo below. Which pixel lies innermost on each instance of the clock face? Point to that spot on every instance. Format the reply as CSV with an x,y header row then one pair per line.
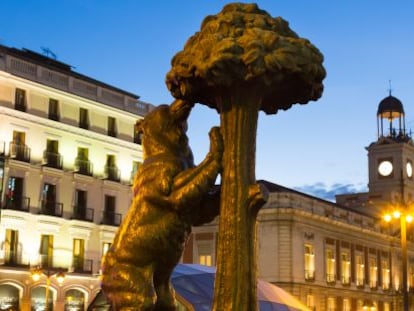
x,y
409,169
385,168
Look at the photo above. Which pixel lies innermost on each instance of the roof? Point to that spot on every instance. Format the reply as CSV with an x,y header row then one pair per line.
x,y
390,105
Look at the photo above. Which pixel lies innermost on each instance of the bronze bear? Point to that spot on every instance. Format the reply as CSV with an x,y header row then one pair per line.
x,y
171,194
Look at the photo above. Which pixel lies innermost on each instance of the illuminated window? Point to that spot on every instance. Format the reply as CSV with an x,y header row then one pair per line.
x,y
346,304
331,304
360,271
345,268
112,131
83,118
46,250
386,280
310,301
330,265
205,255
386,306
20,100
309,262
105,247
53,113
78,254
373,273
11,246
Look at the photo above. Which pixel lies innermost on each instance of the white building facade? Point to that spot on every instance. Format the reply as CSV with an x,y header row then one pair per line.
x,y
68,152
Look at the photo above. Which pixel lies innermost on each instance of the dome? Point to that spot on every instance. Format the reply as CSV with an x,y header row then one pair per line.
x,y
390,107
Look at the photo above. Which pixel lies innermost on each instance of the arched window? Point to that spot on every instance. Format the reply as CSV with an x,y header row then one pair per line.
x,y
38,298
9,297
74,300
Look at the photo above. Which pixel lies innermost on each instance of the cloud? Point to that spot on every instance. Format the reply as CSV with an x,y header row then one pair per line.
x,y
326,192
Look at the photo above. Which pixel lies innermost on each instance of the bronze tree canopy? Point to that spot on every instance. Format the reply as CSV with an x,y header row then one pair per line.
x,y
240,62
244,47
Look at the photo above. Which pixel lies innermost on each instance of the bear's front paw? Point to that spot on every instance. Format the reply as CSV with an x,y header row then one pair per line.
x,y
216,143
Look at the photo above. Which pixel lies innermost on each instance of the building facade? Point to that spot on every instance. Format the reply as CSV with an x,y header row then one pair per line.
x,y
338,256
68,152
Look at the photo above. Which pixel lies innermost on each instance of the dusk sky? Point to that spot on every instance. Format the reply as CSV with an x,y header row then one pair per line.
x,y
319,146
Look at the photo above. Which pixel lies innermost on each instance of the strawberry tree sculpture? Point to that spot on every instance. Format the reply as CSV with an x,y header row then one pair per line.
x,y
240,62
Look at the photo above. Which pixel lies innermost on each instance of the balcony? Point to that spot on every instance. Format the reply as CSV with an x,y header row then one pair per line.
x,y
111,219
21,106
12,258
52,159
310,275
112,173
346,280
53,116
83,167
51,208
82,213
330,278
360,283
17,203
19,152
80,265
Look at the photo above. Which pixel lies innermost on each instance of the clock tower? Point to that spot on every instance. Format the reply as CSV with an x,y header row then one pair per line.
x,y
391,157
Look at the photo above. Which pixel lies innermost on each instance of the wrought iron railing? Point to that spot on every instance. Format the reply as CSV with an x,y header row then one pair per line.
x,y
112,173
83,167
82,213
80,265
16,202
51,208
19,152
52,159
111,219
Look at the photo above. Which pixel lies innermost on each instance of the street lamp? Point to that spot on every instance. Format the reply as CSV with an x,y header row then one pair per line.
x,y
404,218
38,272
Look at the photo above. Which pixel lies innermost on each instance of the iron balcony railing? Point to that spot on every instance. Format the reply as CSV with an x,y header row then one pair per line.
x,y
19,152
13,258
310,275
330,278
82,213
20,106
346,280
51,208
80,265
53,116
111,219
112,173
16,202
52,159
83,167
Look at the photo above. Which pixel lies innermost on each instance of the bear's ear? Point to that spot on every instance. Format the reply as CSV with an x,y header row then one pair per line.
x,y
180,109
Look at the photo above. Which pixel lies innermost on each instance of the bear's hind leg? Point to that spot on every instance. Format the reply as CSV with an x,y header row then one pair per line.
x,y
165,292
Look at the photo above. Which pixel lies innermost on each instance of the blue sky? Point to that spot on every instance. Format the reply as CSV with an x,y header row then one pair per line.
x,y
319,147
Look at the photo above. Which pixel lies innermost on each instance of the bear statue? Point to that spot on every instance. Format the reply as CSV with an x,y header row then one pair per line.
x,y
171,195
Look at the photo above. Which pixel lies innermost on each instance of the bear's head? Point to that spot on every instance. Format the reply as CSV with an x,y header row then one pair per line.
x,y
164,130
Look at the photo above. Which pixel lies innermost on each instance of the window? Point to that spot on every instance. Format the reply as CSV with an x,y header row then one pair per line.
x,y
309,262
385,274
111,170
83,118
386,306
360,271
51,156
11,245
81,198
345,268
310,301
14,195
53,109
46,250
137,135
105,247
18,149
373,269
205,255
78,254
112,130
346,304
49,206
20,100
330,265
331,304
82,163
109,216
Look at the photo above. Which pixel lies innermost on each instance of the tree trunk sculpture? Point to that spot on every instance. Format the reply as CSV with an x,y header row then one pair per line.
x,y
240,62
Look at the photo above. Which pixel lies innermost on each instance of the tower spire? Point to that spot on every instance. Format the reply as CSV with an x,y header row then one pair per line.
x,y
390,88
